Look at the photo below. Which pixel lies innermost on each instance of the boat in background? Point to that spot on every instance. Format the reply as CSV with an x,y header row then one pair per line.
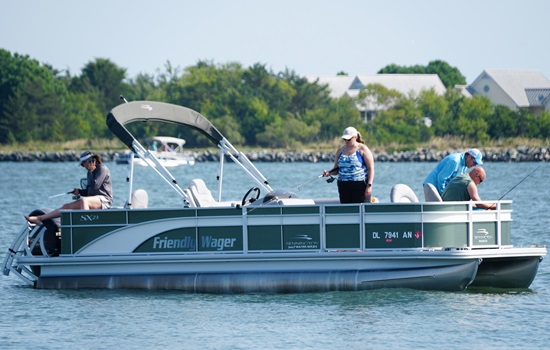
x,y
168,150
275,243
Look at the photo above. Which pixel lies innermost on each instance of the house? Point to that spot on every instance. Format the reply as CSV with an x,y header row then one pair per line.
x,y
406,84
350,86
338,84
514,88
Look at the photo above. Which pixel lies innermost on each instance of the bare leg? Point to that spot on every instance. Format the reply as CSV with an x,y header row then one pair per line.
x,y
38,219
86,203
78,204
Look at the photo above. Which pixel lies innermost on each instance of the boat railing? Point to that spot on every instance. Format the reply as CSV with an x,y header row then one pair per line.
x,y
292,228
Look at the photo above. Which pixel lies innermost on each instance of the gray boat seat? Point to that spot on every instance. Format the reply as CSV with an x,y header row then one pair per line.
x,y
431,194
202,197
401,193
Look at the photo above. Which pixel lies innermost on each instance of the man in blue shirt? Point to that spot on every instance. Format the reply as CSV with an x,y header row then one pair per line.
x,y
451,166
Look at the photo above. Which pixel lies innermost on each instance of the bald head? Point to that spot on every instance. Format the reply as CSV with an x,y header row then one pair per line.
x,y
478,175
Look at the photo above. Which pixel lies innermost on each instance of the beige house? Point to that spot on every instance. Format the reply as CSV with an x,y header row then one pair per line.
x,y
514,88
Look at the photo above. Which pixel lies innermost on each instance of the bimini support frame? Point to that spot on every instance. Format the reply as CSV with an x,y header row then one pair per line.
x,y
146,111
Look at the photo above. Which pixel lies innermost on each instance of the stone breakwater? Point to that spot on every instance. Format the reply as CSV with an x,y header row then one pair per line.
x,y
520,154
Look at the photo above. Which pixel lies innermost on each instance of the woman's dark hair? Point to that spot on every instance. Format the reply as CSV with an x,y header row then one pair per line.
x,y
97,159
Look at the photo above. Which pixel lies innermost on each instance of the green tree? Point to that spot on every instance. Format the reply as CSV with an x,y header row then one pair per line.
x,y
503,122
376,97
471,120
432,105
450,76
527,124
446,124
544,125
306,96
103,80
32,100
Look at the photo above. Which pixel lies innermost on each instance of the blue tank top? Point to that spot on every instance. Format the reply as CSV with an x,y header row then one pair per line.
x,y
352,167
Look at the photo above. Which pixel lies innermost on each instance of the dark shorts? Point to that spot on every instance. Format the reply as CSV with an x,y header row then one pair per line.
x,y
352,191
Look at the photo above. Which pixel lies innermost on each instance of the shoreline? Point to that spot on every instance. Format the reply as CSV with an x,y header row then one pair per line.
x,y
519,154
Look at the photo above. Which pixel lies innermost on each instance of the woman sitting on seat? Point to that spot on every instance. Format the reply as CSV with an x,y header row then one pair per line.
x,y
98,193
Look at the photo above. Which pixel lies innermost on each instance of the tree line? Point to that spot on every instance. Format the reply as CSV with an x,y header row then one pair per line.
x,y
251,106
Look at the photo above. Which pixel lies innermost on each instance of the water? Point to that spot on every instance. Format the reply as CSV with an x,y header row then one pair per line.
x,y
391,318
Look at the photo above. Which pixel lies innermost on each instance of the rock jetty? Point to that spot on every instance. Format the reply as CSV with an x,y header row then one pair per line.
x,y
520,154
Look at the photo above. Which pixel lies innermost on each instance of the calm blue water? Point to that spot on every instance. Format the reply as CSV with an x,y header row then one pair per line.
x,y
393,318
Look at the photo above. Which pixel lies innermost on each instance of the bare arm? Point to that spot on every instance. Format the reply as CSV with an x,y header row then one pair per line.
x,y
369,164
474,195
334,170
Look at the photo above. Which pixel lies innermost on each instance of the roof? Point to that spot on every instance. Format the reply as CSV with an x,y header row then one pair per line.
x,y
514,83
404,83
337,84
537,97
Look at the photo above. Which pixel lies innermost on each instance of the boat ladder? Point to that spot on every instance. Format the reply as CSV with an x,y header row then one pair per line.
x,y
27,240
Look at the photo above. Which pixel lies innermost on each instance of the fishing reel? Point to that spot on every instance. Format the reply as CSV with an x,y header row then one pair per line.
x,y
331,179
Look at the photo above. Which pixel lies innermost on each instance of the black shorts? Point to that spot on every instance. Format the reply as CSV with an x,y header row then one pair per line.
x,y
352,191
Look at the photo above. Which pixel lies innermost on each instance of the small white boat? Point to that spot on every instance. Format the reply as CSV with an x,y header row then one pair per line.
x,y
277,242
168,150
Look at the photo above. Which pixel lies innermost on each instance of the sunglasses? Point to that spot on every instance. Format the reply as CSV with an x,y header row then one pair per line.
x,y
479,178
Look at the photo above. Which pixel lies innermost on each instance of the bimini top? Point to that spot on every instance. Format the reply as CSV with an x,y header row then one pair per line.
x,y
145,111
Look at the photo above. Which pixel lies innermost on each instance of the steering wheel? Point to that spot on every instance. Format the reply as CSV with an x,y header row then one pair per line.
x,y
252,198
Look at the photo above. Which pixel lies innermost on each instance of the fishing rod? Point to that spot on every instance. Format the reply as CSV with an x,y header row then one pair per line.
x,y
315,178
308,181
59,195
516,185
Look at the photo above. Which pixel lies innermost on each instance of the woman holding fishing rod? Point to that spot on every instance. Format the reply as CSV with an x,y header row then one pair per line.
x,y
98,193
354,165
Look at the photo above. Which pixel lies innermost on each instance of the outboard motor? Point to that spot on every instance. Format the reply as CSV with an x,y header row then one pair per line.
x,y
51,240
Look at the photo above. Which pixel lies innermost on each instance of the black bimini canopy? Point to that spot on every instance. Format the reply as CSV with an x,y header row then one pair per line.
x,y
145,111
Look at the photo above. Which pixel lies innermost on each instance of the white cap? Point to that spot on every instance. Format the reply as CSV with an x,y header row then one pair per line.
x,y
349,132
85,156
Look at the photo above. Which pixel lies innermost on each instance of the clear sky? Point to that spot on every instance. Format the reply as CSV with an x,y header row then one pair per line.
x,y
311,37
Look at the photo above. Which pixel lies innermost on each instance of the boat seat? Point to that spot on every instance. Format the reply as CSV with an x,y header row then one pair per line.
x,y
139,199
401,193
201,194
431,194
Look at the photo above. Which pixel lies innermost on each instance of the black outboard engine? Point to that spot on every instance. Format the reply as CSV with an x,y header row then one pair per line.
x,y
51,240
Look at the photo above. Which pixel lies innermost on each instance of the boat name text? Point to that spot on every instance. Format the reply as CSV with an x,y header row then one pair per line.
x,y
165,243
218,243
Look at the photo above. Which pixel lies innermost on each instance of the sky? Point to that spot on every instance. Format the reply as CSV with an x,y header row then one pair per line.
x,y
310,37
